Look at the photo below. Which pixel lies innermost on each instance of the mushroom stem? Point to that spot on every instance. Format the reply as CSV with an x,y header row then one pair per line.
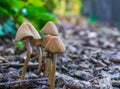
x,y
29,51
52,74
47,65
50,71
39,59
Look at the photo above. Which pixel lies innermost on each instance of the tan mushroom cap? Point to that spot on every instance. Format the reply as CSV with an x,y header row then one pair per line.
x,y
50,29
27,30
45,40
55,45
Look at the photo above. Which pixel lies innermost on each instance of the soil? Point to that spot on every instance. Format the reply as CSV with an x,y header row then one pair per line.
x,y
91,60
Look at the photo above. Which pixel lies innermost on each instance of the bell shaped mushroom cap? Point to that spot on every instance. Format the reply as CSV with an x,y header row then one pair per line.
x,y
27,30
50,29
55,45
45,40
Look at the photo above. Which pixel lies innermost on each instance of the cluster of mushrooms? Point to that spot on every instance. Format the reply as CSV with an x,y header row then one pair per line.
x,y
47,40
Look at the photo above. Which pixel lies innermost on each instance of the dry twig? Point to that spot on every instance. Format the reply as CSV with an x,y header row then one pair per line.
x,y
25,81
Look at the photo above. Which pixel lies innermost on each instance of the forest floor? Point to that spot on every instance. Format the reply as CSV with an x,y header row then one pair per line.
x,y
91,60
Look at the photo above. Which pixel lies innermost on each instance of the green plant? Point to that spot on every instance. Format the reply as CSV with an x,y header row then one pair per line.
x,y
20,44
92,19
68,7
15,12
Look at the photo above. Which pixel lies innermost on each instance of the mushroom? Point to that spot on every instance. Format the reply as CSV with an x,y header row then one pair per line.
x,y
28,34
54,46
45,40
43,44
48,31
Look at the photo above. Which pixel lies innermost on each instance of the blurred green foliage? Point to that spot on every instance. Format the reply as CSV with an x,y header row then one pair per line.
x,y
20,44
68,7
92,19
51,5
14,12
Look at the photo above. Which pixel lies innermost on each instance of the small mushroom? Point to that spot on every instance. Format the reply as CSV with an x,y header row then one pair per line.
x,y
43,44
48,31
54,46
28,34
45,40
46,60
